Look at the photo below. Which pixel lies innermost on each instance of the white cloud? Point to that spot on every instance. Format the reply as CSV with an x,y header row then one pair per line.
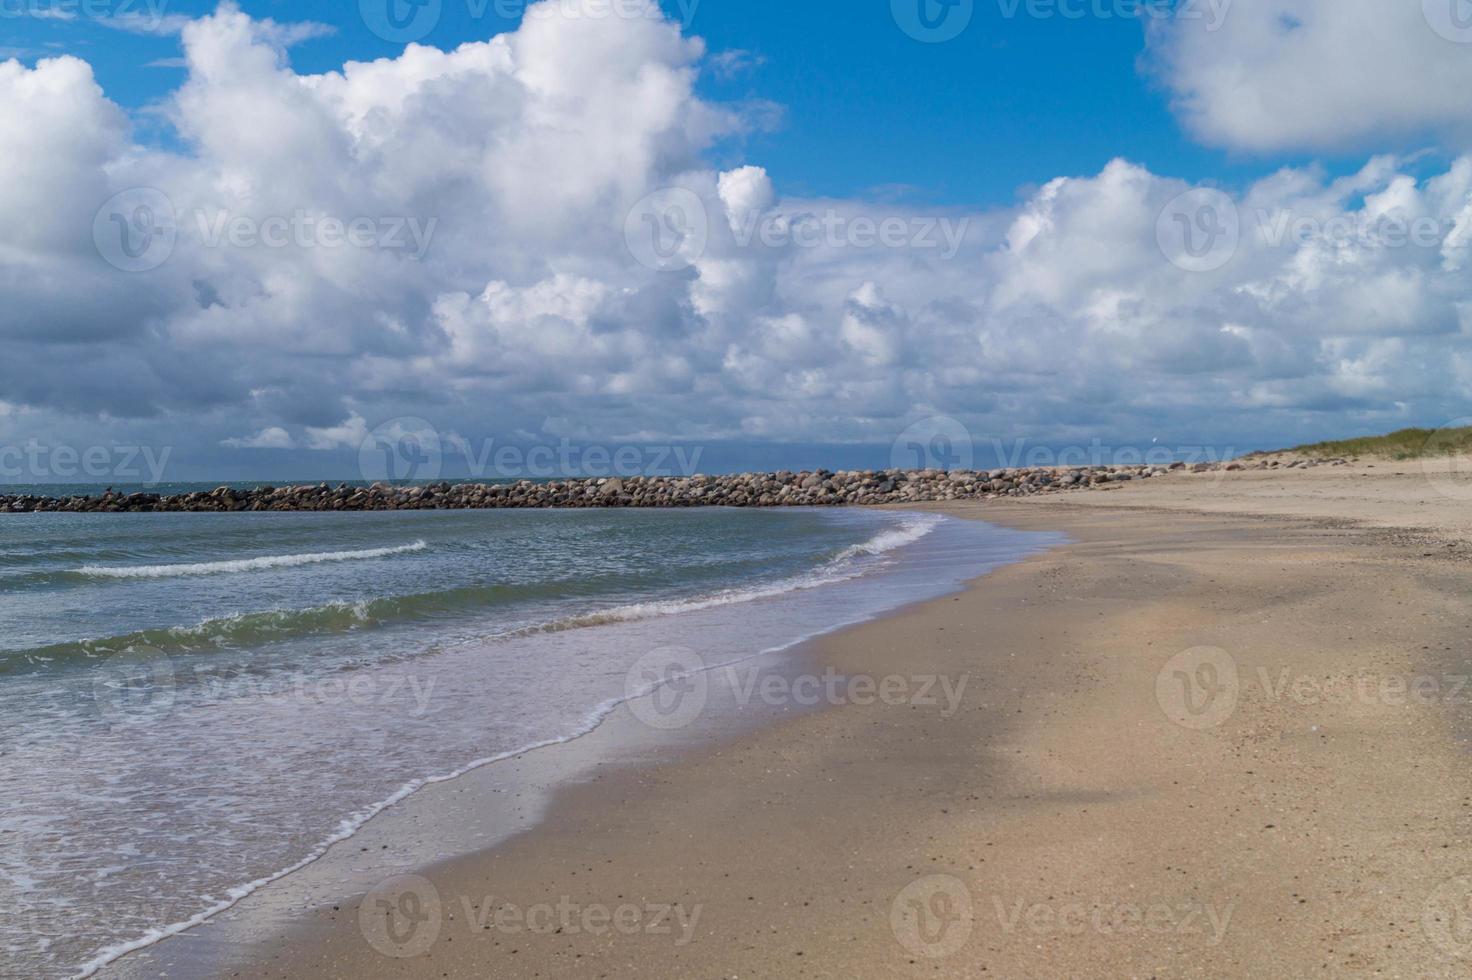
x,y
351,434
735,63
58,133
274,437
1061,317
746,193
1318,74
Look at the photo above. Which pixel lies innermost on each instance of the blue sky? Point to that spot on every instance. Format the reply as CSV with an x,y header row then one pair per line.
x,y
1090,217
974,121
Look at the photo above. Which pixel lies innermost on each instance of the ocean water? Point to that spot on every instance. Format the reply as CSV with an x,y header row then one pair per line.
x,y
196,705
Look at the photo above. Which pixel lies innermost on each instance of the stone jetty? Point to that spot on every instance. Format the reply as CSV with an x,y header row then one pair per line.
x,y
814,488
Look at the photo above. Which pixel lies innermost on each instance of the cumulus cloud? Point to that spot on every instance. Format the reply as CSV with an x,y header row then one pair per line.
x,y
1319,74
291,305
274,437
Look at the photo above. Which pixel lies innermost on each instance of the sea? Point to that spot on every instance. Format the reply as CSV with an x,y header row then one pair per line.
x,y
197,705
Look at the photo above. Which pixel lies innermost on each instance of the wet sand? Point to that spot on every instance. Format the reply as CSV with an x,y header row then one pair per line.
x,y
1187,744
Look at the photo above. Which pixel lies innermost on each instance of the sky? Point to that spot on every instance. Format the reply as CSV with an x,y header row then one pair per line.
x,y
393,238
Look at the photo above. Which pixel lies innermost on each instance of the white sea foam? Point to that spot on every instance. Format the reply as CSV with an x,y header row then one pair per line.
x,y
350,826
244,564
892,538
842,567
244,627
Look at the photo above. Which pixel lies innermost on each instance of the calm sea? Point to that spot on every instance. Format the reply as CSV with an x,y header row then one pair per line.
x,y
195,705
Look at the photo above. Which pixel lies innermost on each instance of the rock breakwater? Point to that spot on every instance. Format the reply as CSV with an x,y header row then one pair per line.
x,y
817,488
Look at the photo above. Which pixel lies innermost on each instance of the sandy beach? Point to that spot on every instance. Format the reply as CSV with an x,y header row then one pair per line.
x,y
1220,733
664,489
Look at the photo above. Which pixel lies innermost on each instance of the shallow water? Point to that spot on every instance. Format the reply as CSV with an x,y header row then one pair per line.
x,y
197,704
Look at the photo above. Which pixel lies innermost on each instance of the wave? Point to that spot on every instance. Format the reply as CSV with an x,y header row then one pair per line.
x,y
349,826
892,538
248,629
840,568
244,564
240,630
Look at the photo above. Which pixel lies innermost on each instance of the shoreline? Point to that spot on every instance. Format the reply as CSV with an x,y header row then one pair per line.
x,y
508,797
189,950
1025,789
1065,794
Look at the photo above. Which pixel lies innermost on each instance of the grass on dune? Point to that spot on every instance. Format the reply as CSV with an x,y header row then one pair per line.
x,y
1405,444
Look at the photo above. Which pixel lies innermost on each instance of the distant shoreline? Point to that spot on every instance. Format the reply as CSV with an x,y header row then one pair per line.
x,y
784,488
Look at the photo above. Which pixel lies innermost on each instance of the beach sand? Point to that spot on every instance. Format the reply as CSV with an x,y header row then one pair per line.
x,y
1220,734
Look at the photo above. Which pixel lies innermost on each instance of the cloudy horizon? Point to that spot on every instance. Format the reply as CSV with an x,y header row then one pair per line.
x,y
555,238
